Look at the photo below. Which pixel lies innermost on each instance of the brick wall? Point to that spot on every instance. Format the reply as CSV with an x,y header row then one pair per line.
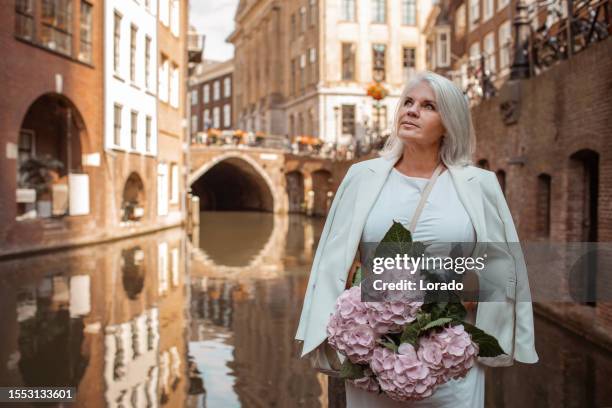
x,y
562,111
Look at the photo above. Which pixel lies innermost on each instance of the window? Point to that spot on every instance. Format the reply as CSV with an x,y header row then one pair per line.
x,y
206,120
216,90
148,144
117,125
347,12
543,205
163,79
474,54
86,33
348,62
24,19
194,123
505,44
162,189
194,96
409,12
474,13
489,50
134,130
302,73
227,87
148,62
293,27
348,120
487,12
117,44
175,17
378,11
164,10
460,21
216,118
443,49
133,35
379,118
227,118
408,61
174,183
293,76
174,86
312,12
302,19
56,28
206,93
378,62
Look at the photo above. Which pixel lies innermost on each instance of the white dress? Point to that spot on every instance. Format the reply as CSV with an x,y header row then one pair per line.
x,y
442,220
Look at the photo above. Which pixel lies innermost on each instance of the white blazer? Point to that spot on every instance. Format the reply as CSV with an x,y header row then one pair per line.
x,y
511,322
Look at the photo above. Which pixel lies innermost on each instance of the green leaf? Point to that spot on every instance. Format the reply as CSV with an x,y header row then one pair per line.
x,y
436,323
487,344
411,334
390,345
351,371
456,310
397,233
358,277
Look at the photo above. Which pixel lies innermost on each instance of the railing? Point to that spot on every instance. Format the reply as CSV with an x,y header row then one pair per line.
x,y
327,150
547,36
560,36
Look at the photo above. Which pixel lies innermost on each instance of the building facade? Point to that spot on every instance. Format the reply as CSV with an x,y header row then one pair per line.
x,y
130,111
92,133
172,76
211,96
51,123
302,67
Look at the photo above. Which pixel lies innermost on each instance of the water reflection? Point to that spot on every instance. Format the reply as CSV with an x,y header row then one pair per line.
x,y
108,319
136,323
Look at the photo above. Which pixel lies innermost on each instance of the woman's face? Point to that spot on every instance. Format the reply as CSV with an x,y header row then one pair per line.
x,y
419,118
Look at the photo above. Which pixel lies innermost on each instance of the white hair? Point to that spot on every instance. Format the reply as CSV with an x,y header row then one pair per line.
x,y
459,139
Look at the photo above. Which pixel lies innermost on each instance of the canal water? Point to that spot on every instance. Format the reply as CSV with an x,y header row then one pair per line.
x,y
163,320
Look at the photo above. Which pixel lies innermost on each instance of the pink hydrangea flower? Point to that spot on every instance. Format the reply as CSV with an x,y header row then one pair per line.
x,y
389,317
449,353
402,376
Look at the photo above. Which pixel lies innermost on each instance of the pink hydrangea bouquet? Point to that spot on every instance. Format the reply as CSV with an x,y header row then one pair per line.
x,y
405,348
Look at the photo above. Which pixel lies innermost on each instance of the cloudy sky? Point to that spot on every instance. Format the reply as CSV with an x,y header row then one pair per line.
x,y
215,19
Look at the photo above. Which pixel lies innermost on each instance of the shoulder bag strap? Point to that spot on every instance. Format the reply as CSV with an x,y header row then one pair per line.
x,y
426,191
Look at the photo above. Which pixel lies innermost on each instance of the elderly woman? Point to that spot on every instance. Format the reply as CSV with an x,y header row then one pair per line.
x,y
431,144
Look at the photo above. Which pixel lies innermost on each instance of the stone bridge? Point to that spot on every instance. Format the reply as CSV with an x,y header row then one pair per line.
x,y
230,178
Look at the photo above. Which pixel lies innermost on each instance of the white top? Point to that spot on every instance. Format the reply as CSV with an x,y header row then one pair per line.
x,y
443,219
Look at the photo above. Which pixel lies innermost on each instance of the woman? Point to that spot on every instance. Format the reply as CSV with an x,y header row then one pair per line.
x,y
432,130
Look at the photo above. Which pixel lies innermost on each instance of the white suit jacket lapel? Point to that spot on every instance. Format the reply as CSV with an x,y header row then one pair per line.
x,y
370,185
471,196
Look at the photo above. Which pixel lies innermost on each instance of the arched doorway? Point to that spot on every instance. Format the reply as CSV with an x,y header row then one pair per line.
x,y
582,213
295,191
132,205
49,154
321,187
233,184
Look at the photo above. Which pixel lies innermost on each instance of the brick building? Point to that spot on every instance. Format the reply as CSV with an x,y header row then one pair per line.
x,y
92,133
211,96
555,166
51,124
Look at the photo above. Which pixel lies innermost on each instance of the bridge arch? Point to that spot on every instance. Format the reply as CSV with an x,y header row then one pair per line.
x,y
234,181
